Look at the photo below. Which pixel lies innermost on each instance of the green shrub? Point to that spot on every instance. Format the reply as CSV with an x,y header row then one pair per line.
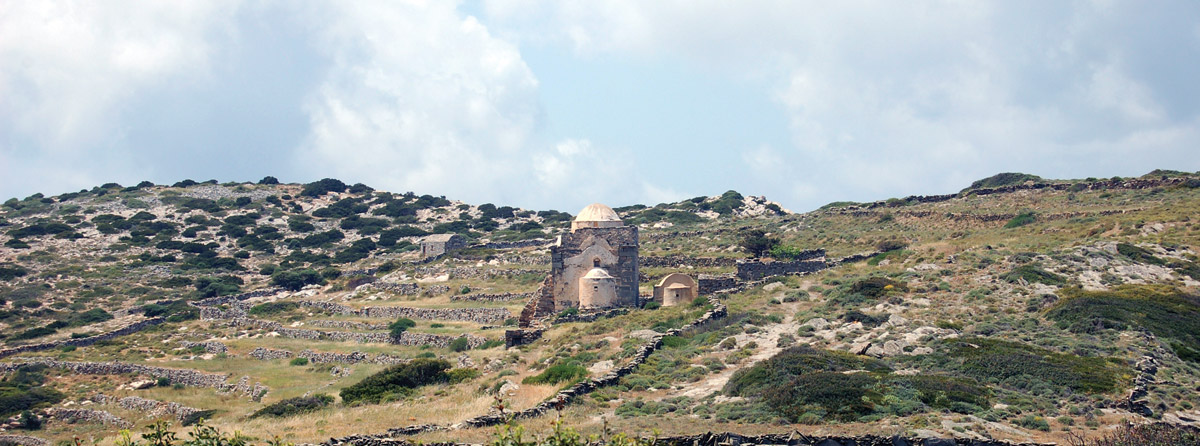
x,y
558,373
1167,312
23,390
1003,179
1138,254
765,376
455,376
1024,366
400,326
298,361
322,187
295,280
270,308
1033,274
397,381
1033,422
460,345
1021,219
294,406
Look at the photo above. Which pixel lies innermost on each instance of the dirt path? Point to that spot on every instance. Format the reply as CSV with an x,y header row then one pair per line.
x,y
768,346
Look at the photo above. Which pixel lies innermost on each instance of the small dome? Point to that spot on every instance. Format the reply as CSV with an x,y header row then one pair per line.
x,y
597,212
597,273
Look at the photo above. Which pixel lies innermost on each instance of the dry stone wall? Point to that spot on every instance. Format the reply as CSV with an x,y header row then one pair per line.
x,y
82,342
22,440
185,377
486,297
538,242
225,300
153,408
86,416
213,347
754,270
479,315
325,358
237,318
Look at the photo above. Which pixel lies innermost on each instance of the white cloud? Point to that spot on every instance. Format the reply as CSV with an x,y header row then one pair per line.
x,y
68,67
419,98
890,99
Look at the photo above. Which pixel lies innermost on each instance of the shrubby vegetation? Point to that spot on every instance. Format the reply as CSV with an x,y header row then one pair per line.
x,y
24,390
397,381
1167,312
294,406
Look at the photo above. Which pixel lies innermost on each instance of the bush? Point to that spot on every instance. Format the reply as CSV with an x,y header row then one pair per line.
x,y
295,280
298,362
891,245
1021,219
268,180
397,381
269,308
756,242
10,271
1033,274
322,187
460,345
294,406
22,390
558,373
400,326
455,376
1167,312
1025,366
1003,179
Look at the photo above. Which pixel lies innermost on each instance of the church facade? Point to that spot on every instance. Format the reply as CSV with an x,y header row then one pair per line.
x,y
595,266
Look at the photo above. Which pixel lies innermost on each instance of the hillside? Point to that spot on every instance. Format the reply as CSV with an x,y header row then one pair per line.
x,y
1020,308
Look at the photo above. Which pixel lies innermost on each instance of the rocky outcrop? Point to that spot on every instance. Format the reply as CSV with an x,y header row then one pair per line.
x,y
82,342
185,377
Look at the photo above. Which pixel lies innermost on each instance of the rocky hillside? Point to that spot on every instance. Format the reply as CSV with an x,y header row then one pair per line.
x,y
1019,308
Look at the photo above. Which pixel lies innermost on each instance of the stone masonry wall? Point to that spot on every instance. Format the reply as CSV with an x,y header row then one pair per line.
x,y
486,297
234,317
479,315
753,270
82,342
185,377
154,408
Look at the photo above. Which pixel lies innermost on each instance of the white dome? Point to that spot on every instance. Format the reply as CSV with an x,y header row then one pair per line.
x,y
597,212
597,273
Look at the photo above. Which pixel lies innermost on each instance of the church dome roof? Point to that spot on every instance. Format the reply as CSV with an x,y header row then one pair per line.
x,y
597,273
597,212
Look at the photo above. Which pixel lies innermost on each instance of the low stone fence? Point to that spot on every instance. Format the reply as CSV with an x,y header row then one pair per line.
x,y
590,316
234,317
225,300
82,342
154,408
268,354
652,237
86,416
22,440
486,297
711,283
684,261
403,289
471,272
514,244
479,315
185,377
213,347
435,290
753,270
326,358
352,325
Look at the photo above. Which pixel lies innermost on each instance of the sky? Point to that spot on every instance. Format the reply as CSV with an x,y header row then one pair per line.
x,y
557,104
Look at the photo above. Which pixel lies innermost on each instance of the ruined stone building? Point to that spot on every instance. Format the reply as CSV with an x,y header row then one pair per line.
x,y
676,289
438,244
595,266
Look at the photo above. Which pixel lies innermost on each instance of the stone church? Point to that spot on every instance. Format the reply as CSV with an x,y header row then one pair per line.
x,y
595,266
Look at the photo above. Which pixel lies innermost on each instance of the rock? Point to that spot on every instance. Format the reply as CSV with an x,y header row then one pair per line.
x,y
860,349
465,362
508,388
817,323
601,367
897,320
644,334
772,286
140,385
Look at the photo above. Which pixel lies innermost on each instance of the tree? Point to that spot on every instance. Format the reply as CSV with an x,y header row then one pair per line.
x,y
268,180
756,242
